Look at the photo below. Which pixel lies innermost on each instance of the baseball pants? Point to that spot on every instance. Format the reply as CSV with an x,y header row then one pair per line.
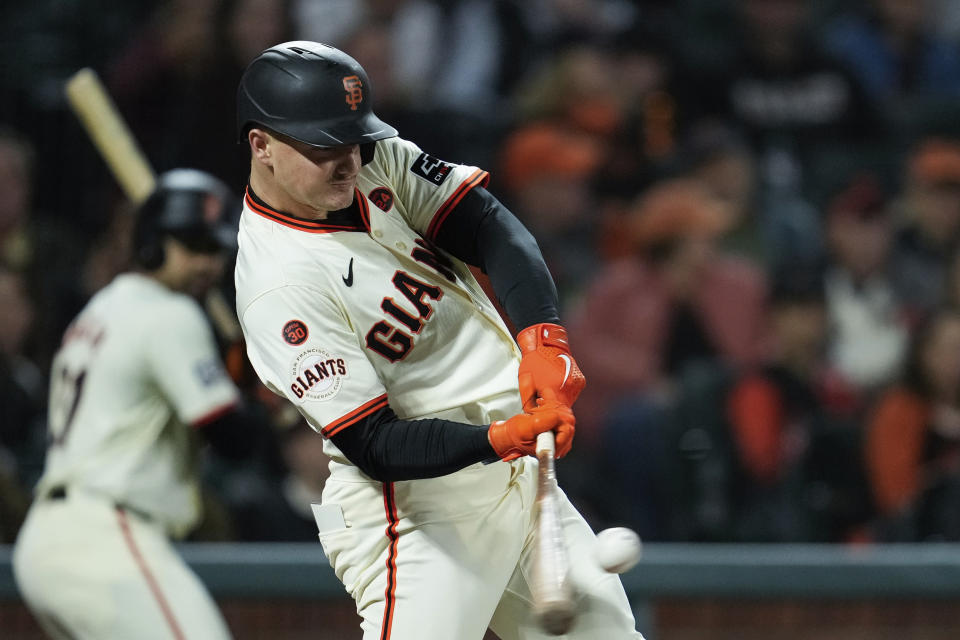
x,y
88,569
449,557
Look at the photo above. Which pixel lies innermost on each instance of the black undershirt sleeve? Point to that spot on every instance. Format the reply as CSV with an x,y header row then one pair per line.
x,y
482,232
389,449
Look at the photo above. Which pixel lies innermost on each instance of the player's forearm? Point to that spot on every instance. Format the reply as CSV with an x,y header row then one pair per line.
x,y
389,449
485,234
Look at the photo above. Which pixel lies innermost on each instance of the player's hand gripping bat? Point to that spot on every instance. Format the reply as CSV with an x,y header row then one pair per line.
x,y
110,135
553,598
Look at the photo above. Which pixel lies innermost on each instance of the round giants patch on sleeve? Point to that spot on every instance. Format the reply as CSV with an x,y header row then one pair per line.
x,y
317,375
295,332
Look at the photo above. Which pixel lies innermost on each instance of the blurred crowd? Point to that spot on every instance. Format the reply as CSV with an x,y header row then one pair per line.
x,y
751,209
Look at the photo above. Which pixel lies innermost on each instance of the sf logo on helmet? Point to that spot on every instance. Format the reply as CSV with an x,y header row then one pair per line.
x,y
354,88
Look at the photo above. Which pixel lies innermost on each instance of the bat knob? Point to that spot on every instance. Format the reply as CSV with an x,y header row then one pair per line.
x,y
556,618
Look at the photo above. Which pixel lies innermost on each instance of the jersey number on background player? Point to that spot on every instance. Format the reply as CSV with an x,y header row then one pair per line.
x,y
64,399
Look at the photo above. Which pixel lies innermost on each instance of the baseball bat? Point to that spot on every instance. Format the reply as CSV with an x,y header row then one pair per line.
x,y
553,598
112,137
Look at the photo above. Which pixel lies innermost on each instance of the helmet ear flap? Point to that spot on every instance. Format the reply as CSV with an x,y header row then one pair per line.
x,y
367,150
151,255
147,239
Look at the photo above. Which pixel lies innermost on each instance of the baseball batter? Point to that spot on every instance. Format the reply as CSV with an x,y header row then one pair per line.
x,y
137,369
357,305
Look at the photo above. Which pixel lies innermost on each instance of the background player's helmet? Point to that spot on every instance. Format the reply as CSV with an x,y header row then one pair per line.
x,y
313,93
193,207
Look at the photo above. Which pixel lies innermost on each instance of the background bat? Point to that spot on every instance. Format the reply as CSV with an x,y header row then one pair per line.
x,y
110,134
112,137
553,604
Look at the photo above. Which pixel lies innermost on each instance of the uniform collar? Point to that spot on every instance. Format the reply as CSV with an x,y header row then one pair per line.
x,y
356,217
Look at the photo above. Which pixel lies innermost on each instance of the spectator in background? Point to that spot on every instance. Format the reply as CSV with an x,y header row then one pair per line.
x,y
714,155
39,249
558,22
570,115
242,29
155,78
912,446
892,48
674,305
578,91
789,425
869,330
930,219
648,133
22,404
765,229
276,507
462,55
678,300
178,77
952,293
793,100
16,167
547,172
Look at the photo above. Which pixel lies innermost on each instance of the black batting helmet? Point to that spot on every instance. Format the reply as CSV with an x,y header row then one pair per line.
x,y
193,207
313,93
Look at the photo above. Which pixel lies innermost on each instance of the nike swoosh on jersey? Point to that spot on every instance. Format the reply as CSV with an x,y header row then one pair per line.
x,y
569,365
348,279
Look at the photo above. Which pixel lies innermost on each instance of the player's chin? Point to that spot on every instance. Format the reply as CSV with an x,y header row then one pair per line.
x,y
340,195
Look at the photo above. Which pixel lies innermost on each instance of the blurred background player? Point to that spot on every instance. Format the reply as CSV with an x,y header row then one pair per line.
x,y
136,372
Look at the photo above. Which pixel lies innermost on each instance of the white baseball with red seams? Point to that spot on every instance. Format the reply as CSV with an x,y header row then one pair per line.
x,y
617,549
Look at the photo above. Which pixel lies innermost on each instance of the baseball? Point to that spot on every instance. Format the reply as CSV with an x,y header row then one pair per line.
x,y
617,549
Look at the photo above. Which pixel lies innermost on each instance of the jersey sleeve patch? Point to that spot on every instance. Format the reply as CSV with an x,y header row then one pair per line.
x,y
382,197
209,372
295,332
431,169
317,375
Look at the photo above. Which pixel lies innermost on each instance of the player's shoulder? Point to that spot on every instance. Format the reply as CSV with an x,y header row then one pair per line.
x,y
171,309
403,166
137,300
391,158
272,260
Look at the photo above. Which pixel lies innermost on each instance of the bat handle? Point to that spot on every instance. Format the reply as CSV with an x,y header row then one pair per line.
x,y
546,444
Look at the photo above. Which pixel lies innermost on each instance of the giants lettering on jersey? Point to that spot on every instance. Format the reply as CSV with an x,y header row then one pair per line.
x,y
429,256
387,339
317,375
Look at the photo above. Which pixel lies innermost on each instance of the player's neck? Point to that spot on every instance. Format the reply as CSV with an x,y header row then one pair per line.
x,y
280,200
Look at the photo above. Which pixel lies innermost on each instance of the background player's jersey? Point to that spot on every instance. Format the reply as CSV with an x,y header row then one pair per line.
x,y
137,364
344,318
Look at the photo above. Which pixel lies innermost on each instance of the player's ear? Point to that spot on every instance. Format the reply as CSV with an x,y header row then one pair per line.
x,y
260,143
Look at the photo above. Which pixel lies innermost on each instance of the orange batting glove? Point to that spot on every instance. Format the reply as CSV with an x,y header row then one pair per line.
x,y
547,363
518,436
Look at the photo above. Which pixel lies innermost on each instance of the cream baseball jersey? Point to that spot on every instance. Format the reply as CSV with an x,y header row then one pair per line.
x,y
135,366
344,318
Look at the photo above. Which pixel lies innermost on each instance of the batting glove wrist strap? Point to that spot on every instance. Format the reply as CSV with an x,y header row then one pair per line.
x,y
545,334
547,363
